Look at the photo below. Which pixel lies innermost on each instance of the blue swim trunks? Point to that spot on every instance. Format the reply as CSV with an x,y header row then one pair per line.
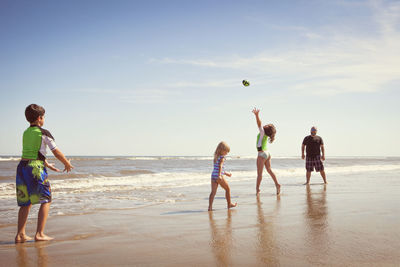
x,y
32,184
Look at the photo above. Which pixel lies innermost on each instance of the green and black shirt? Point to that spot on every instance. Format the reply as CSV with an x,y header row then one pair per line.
x,y
35,141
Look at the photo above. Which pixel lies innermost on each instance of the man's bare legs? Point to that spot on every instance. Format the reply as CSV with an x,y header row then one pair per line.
x,y
308,176
42,218
323,176
22,219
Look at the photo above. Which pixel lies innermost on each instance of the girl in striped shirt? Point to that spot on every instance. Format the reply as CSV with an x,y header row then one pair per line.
x,y
217,176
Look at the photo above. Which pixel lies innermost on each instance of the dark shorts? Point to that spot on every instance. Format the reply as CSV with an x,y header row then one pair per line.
x,y
314,162
32,185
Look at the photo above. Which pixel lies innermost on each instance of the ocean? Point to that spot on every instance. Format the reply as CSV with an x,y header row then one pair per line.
x,y
109,182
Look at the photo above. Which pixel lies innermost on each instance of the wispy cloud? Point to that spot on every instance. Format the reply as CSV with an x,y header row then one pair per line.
x,y
199,62
205,84
149,96
134,95
340,63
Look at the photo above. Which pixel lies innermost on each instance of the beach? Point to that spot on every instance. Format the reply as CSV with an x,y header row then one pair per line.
x,y
153,212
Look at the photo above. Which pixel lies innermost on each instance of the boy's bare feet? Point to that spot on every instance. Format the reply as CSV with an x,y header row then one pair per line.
x,y
21,238
210,209
306,183
42,237
278,189
232,205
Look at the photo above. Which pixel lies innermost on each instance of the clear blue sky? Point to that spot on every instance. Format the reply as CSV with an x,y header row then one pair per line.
x,y
164,77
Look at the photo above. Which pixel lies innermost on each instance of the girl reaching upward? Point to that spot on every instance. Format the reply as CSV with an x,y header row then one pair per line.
x,y
267,133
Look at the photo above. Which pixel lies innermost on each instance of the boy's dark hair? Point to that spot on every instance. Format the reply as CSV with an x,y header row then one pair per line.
x,y
270,131
33,111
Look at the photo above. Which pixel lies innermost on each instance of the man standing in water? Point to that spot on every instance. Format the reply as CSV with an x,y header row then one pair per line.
x,y
314,144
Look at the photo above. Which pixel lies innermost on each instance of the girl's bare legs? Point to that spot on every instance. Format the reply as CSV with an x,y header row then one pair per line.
x,y
214,187
272,174
42,218
222,182
22,218
260,169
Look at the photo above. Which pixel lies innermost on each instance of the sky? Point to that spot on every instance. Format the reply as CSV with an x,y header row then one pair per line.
x,y
164,77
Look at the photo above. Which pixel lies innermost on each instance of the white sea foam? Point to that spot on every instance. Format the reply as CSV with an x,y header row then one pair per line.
x,y
172,158
7,190
160,181
291,172
9,158
143,158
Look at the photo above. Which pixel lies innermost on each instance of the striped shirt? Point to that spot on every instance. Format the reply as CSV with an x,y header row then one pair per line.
x,y
215,173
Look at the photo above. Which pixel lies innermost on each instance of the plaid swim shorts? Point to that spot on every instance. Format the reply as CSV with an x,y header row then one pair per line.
x,y
314,162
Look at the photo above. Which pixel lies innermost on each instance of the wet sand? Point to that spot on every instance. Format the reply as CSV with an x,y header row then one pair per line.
x,y
307,225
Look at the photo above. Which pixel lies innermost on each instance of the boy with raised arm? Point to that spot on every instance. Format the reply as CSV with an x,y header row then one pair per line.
x,y
32,185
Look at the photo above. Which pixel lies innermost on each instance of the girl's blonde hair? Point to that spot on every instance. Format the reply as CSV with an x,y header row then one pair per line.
x,y
222,147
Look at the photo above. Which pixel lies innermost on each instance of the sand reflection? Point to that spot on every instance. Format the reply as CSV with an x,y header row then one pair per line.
x,y
267,248
42,256
22,257
25,258
221,239
316,218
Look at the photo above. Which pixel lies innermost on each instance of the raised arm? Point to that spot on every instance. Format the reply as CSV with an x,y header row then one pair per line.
x,y
256,111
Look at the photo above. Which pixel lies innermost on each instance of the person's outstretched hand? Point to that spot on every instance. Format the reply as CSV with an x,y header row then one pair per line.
x,y
68,167
52,167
